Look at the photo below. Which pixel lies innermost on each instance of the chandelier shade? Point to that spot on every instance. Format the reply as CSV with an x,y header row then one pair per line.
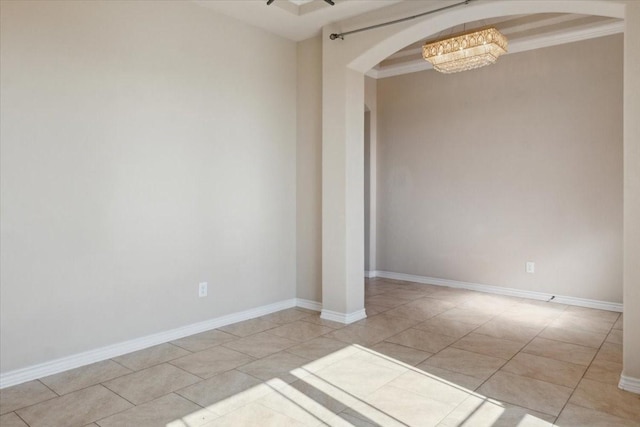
x,y
466,51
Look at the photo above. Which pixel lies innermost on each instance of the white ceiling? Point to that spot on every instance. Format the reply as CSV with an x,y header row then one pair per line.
x,y
295,20
524,32
301,19
300,2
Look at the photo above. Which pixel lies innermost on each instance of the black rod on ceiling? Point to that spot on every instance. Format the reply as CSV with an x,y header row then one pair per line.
x,y
331,2
335,36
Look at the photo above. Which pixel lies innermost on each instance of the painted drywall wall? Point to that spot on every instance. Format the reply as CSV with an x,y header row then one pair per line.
x,y
367,189
143,151
309,170
482,171
631,339
342,187
360,52
370,161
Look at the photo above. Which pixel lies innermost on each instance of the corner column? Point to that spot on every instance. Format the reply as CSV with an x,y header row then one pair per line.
x,y
342,188
630,379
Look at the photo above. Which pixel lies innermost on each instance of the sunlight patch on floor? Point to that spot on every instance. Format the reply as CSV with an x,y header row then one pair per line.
x,y
358,386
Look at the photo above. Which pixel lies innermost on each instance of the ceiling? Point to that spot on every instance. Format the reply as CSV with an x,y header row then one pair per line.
x,y
301,19
295,20
524,32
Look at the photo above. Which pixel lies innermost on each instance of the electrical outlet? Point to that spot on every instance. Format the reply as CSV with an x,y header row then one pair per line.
x,y
202,289
530,267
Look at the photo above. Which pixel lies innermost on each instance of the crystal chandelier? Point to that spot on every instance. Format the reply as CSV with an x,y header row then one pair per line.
x,y
466,52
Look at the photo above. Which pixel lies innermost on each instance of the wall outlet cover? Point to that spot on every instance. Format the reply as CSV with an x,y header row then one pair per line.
x,y
202,289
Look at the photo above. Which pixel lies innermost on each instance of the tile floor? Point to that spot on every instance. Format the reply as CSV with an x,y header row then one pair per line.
x,y
425,356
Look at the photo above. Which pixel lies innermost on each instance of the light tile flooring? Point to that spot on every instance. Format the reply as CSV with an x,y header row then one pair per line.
x,y
425,356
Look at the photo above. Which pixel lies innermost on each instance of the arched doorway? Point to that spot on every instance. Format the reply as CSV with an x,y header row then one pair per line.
x,y
345,63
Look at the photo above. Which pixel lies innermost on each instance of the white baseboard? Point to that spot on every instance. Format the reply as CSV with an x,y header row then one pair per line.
x,y
370,274
629,384
29,373
581,302
308,304
345,318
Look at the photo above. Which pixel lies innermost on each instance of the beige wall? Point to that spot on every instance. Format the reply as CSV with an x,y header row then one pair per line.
x,y
631,339
143,150
359,52
367,189
309,171
370,172
342,188
480,172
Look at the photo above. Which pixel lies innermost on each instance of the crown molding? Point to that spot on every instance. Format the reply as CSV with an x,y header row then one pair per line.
x,y
522,45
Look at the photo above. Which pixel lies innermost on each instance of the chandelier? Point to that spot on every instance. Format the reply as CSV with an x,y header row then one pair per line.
x,y
466,52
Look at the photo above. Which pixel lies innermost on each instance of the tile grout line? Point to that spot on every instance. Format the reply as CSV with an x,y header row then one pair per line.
x,y
117,394
187,372
177,393
585,373
511,358
15,412
135,372
59,396
56,393
133,407
457,305
528,342
154,364
22,419
121,365
90,385
101,384
324,335
454,307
